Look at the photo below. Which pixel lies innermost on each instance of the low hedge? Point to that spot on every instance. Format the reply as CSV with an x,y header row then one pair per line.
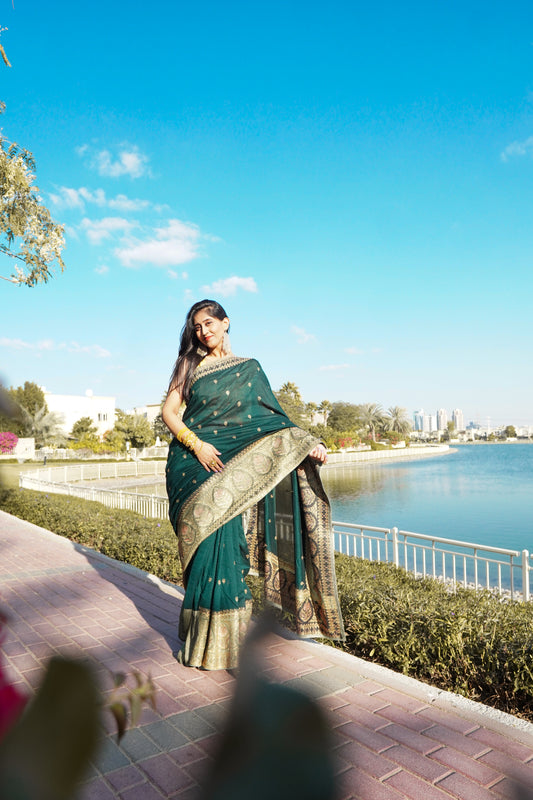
x,y
472,643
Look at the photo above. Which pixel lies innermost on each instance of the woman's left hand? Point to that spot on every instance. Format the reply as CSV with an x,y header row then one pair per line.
x,y
319,454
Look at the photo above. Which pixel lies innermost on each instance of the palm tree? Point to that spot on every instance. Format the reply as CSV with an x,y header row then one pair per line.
x,y
310,409
397,420
371,417
43,425
325,409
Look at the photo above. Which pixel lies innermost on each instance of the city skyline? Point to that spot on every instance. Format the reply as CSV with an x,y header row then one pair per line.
x,y
354,187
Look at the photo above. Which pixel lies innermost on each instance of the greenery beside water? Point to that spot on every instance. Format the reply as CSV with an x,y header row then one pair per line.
x,y
468,642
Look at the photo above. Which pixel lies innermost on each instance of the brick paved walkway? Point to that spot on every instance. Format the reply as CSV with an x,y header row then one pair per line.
x,y
394,737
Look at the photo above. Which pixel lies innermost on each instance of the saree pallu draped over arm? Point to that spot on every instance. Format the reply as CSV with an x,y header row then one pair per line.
x,y
271,484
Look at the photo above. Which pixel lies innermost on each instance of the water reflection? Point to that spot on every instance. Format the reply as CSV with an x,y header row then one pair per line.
x,y
479,493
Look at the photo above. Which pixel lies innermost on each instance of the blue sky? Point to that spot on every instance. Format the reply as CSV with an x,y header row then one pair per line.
x,y
354,182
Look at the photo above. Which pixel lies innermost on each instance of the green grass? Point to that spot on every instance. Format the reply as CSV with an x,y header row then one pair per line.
x,y
472,643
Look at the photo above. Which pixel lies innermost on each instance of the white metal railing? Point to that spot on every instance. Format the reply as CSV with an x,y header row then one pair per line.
x,y
457,563
63,480
72,473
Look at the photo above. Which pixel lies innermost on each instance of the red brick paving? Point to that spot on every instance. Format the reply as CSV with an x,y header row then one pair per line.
x,y
394,738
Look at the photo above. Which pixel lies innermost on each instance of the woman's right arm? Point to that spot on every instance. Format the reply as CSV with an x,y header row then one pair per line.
x,y
207,455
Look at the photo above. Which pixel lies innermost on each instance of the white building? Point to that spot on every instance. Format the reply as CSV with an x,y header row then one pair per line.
x,y
458,419
442,419
149,411
429,423
418,418
72,407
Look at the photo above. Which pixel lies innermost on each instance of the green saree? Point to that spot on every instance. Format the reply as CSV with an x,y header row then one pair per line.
x,y
266,512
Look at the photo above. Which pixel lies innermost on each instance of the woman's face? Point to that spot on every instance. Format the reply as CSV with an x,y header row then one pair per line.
x,y
210,330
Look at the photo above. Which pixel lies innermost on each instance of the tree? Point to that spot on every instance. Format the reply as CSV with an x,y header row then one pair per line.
x,y
115,440
344,417
397,420
136,429
28,234
83,427
3,52
291,401
43,425
325,408
29,398
371,417
311,409
161,430
510,432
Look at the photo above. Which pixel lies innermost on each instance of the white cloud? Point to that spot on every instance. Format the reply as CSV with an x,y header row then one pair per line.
x,y
99,229
14,344
228,286
103,270
175,244
50,345
98,196
76,198
353,351
174,275
123,203
91,349
331,367
518,149
130,161
302,336
67,197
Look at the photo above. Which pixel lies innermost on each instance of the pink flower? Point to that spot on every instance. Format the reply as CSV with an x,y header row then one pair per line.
x,y
12,703
8,441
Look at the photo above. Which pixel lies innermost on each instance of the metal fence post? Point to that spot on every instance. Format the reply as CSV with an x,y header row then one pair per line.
x,y
395,548
525,575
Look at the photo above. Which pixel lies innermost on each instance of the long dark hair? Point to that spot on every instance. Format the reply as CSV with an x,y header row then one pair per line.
x,y
188,355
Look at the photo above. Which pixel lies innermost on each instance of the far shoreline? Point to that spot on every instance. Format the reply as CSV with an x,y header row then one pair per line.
x,y
362,457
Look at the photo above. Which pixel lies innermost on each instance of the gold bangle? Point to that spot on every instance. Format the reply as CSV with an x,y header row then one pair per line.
x,y
187,438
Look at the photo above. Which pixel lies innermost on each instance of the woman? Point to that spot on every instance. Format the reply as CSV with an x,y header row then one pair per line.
x,y
244,493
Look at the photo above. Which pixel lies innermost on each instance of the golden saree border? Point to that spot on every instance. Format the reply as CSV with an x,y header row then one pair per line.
x,y
242,483
213,639
319,555
211,365
313,604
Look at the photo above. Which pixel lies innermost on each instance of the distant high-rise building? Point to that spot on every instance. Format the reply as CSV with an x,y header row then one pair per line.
x,y
429,423
418,418
442,419
457,416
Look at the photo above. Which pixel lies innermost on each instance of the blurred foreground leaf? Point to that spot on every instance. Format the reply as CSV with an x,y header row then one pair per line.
x,y
276,743
46,754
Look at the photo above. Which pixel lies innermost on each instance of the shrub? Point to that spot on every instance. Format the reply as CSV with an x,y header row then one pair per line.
x,y
469,642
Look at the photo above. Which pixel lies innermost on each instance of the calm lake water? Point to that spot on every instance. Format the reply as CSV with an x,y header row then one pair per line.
x,y
480,493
